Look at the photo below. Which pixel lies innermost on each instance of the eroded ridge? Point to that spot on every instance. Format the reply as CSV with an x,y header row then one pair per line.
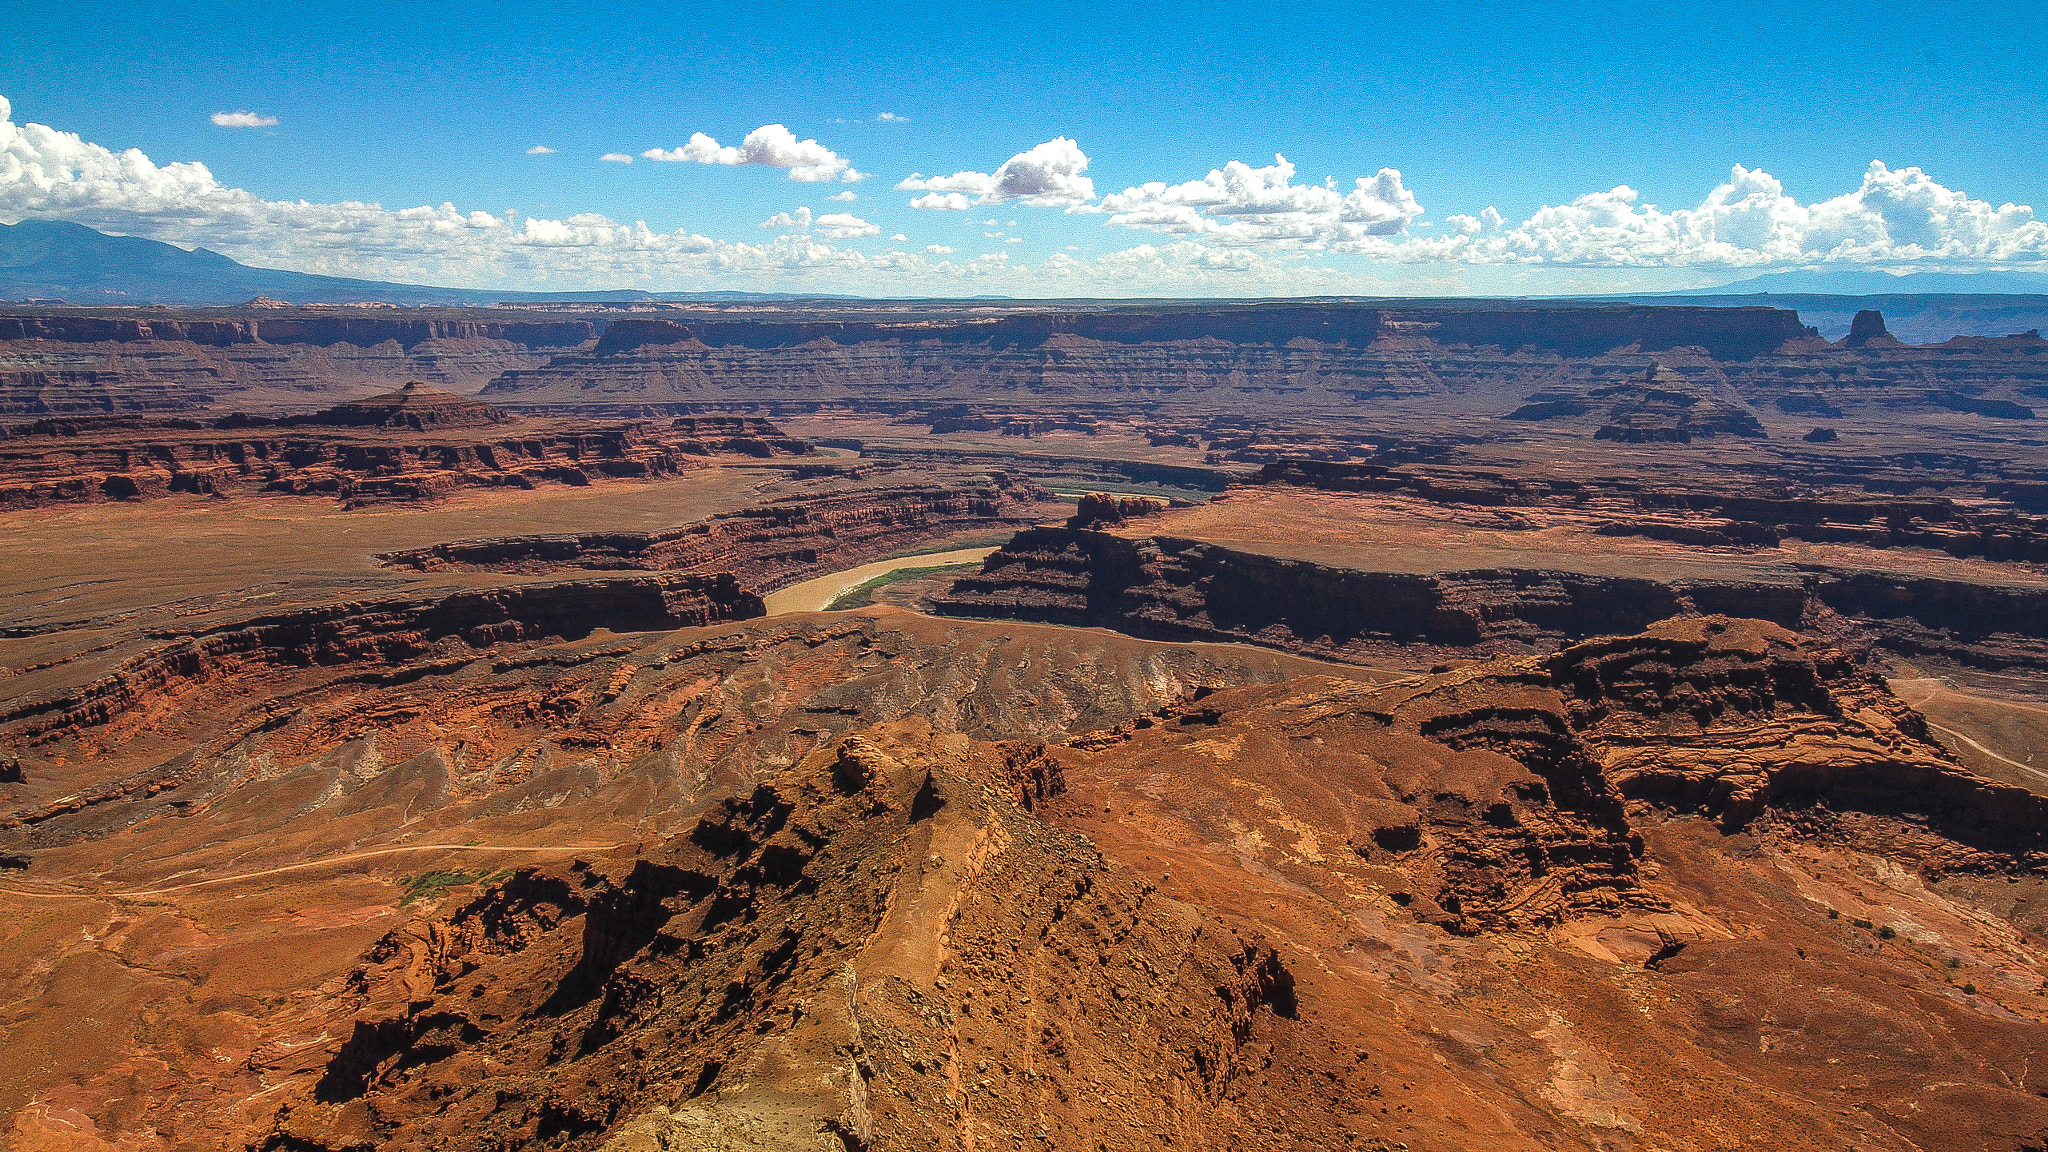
x,y
878,947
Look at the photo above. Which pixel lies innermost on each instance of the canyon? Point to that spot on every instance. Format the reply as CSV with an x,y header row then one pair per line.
x,y
1380,725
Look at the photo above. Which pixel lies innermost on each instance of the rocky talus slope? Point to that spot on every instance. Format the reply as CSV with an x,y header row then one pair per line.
x,y
841,958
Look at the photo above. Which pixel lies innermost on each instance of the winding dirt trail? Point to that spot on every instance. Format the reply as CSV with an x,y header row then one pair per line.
x,y
1944,687
134,893
2027,768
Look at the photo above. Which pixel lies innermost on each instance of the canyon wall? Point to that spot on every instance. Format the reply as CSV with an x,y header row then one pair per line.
x,y
76,363
1985,517
1729,333
317,329
1290,354
1169,588
389,631
53,462
1665,374
774,544
1541,363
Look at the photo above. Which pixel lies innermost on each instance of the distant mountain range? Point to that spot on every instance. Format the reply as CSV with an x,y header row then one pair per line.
x,y
53,260
56,260
1863,282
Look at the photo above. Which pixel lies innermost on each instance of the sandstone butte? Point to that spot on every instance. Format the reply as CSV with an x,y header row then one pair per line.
x,y
1434,727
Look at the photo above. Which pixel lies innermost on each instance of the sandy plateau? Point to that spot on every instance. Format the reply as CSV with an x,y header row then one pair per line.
x,y
1305,727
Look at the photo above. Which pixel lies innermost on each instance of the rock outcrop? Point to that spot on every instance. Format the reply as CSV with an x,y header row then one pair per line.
x,y
1661,407
804,882
1868,329
1525,821
1098,509
415,406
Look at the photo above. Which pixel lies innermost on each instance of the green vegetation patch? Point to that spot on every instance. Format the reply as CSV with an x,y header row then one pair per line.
x,y
956,543
435,884
862,595
1073,492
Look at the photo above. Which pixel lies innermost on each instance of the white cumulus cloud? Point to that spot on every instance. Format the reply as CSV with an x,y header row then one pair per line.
x,y
1894,216
848,194
770,145
845,226
49,174
242,119
1048,176
1240,204
832,225
540,150
900,238
892,118
616,158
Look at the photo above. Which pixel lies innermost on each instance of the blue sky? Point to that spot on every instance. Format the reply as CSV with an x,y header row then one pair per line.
x,y
1526,111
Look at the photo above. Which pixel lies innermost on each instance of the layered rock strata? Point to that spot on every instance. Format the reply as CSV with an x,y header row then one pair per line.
x,y
389,631
1173,588
1076,470
1097,509
769,545
303,724
1644,374
1167,587
83,363
1526,820
1298,355
420,456
1988,518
